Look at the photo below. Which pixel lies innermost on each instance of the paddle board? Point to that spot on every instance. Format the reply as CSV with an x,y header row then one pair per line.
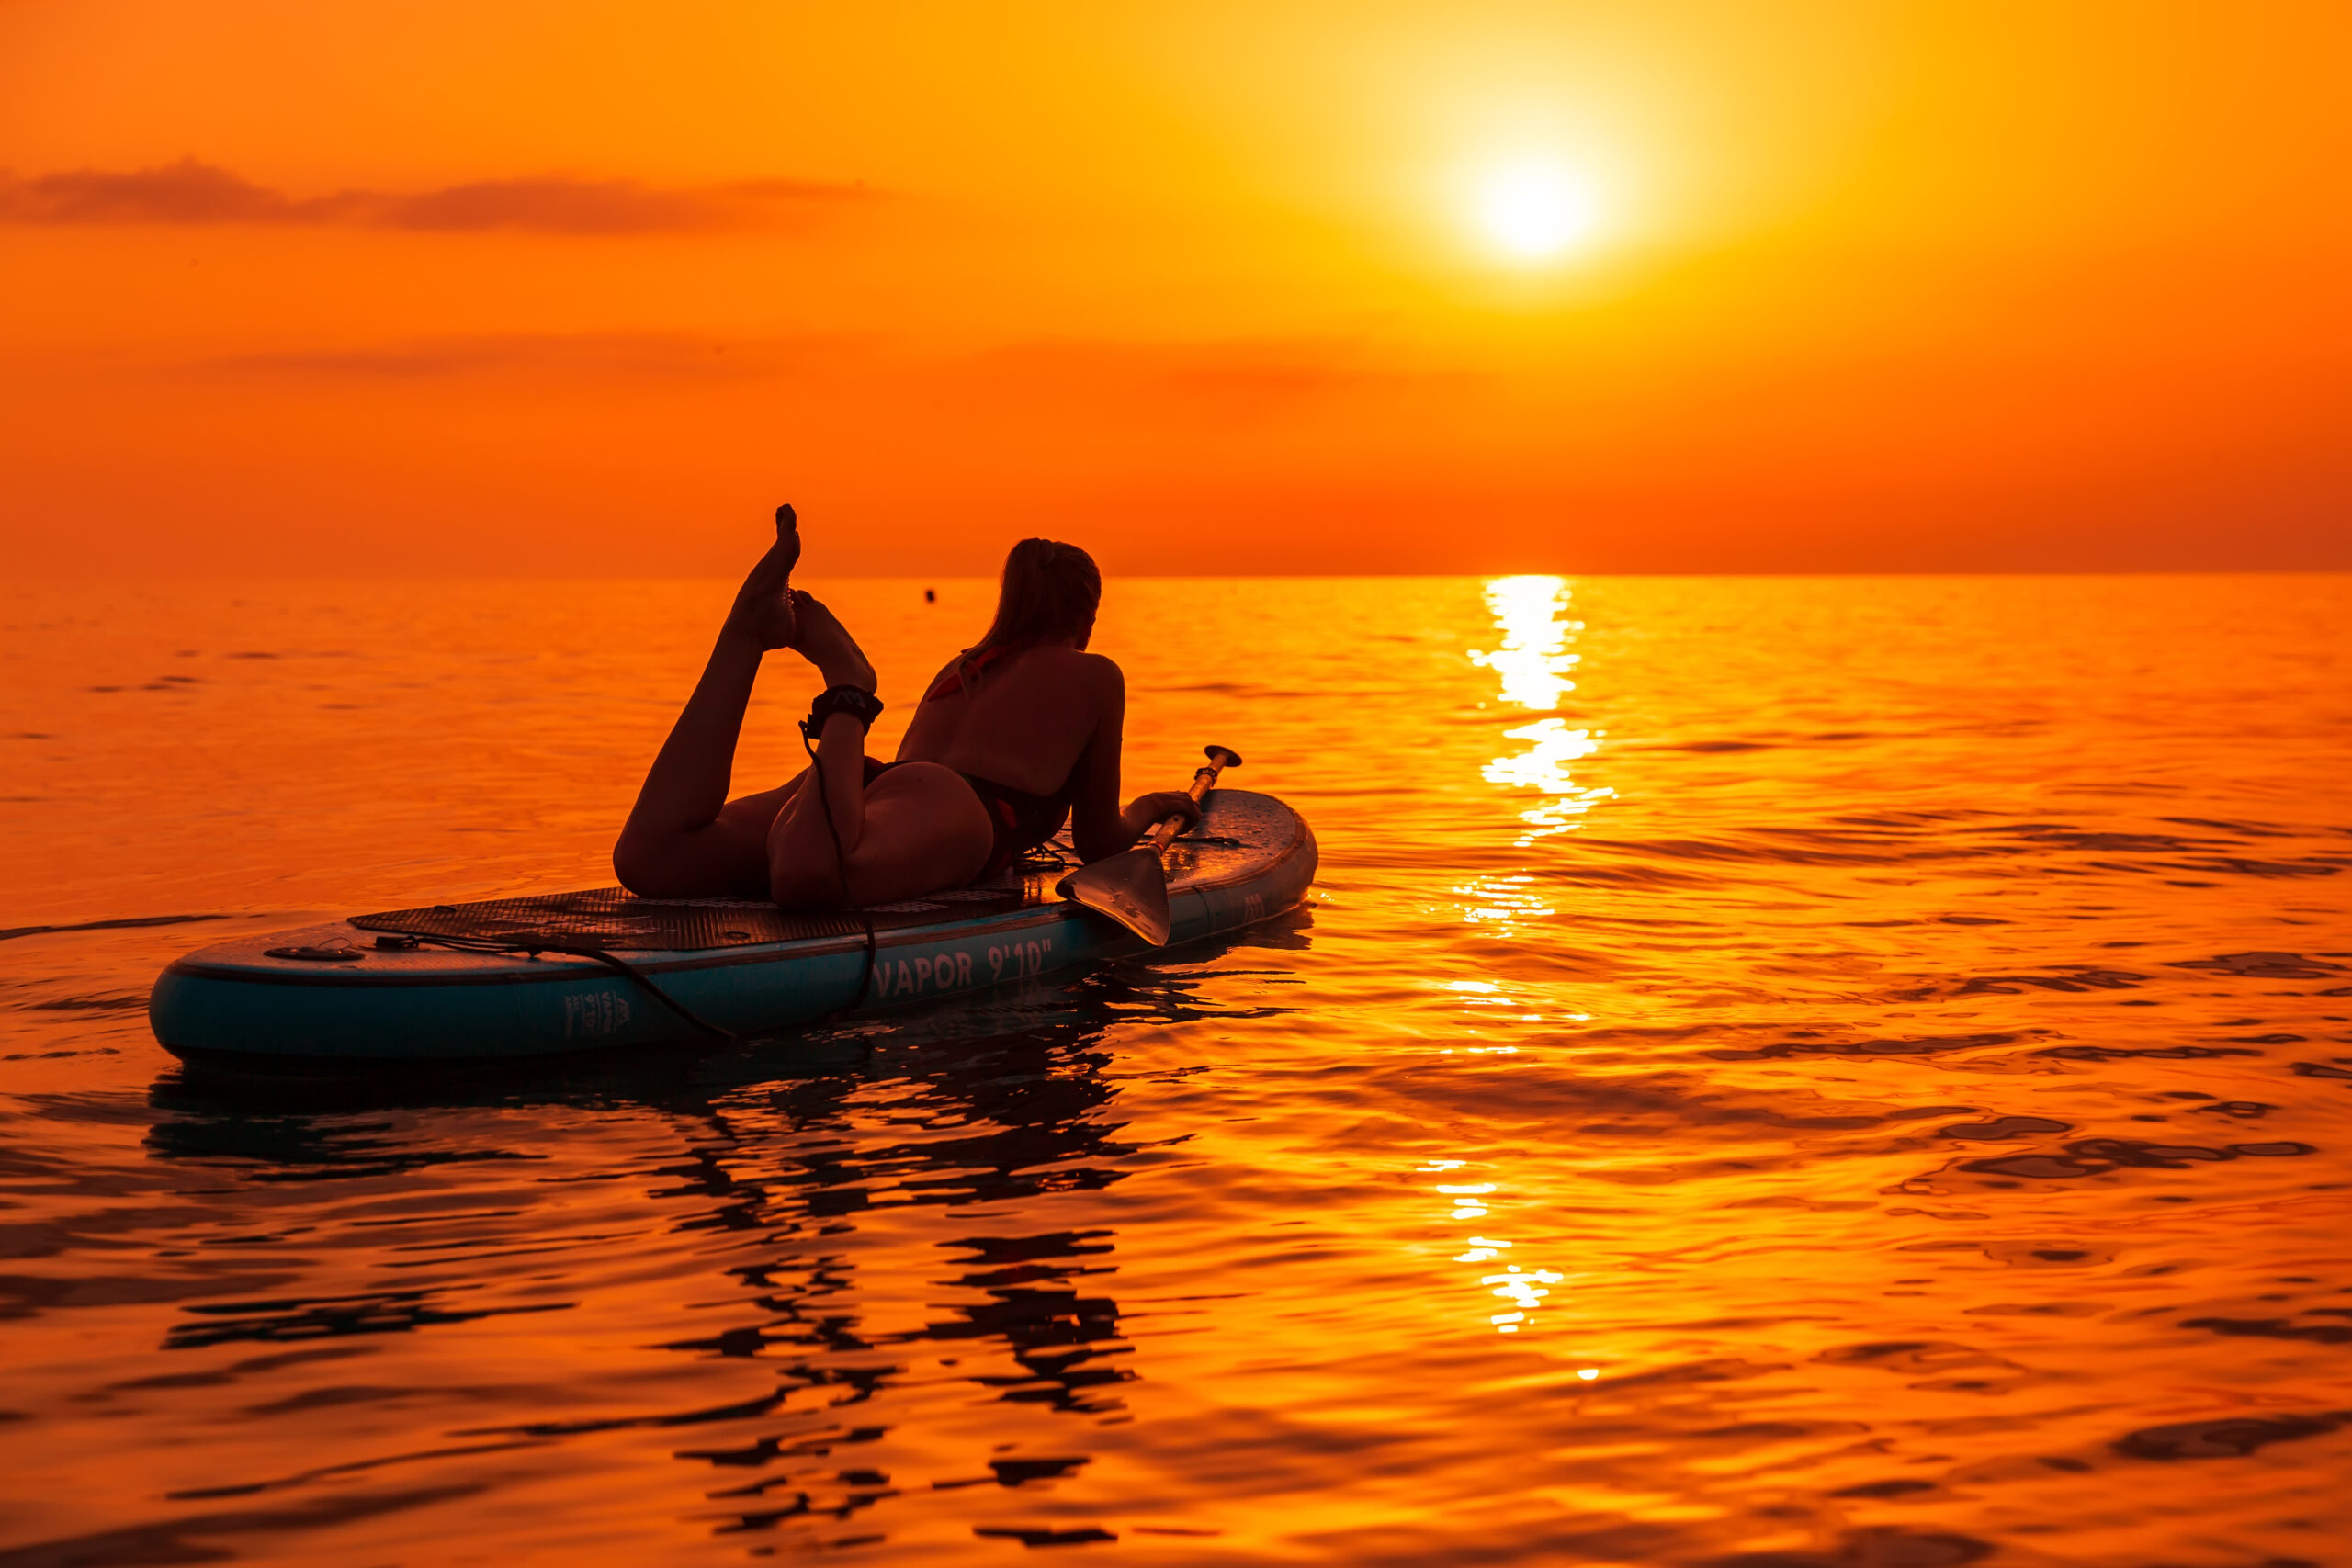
x,y
488,981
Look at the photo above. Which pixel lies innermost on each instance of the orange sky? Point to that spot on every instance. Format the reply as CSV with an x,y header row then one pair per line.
x,y
583,288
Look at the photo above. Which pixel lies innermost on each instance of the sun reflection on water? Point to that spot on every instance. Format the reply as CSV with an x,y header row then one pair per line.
x,y
1521,1290
1533,662
1545,768
1501,900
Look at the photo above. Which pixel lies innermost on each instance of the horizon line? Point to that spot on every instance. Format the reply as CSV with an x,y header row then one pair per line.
x,y
38,578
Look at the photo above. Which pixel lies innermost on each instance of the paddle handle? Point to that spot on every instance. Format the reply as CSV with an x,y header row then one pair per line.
x,y
1203,780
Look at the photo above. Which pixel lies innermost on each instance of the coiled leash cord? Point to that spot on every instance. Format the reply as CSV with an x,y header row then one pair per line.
x,y
609,960
865,707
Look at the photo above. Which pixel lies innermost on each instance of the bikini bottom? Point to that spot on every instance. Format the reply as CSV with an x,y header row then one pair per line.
x,y
1022,820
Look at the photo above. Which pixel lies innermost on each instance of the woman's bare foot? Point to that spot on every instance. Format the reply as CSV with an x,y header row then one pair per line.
x,y
822,640
763,607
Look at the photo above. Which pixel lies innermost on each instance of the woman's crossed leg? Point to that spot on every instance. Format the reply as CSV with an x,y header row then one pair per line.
x,y
814,843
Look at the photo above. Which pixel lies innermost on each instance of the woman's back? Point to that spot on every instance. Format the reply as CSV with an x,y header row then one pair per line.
x,y
1022,717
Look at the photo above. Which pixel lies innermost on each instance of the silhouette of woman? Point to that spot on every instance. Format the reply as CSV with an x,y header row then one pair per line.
x,y
1019,731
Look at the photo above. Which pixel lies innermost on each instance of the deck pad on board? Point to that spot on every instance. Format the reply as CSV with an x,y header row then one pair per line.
x,y
618,921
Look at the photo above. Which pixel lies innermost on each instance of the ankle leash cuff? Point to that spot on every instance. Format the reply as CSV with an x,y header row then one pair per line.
x,y
855,700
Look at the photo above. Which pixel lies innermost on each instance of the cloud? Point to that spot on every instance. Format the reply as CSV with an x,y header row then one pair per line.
x,y
1234,380
569,356
185,192
189,193
556,206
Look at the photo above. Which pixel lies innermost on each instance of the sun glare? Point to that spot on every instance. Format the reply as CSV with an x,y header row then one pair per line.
x,y
1532,210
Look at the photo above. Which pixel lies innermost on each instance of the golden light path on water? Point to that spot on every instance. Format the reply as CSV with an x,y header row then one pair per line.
x,y
1533,662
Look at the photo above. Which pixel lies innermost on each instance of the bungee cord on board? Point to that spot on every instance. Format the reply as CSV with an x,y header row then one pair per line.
x,y
610,960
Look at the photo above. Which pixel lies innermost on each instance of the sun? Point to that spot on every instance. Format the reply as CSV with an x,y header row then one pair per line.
x,y
1532,209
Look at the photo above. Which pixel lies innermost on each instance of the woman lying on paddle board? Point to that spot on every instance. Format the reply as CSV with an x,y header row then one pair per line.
x,y
1019,731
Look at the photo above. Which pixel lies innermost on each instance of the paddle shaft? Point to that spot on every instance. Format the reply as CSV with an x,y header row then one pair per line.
x,y
1203,780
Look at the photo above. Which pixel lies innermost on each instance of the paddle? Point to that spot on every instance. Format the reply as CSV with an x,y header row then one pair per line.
x,y
1132,885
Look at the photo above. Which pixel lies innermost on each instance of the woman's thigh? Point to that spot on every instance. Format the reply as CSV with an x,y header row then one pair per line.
x,y
924,831
726,857
749,817
738,839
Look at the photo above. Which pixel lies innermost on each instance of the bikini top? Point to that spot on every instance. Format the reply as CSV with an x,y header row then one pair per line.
x,y
951,680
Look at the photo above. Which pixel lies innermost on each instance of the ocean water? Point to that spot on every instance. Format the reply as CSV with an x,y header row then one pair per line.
x,y
1775,1073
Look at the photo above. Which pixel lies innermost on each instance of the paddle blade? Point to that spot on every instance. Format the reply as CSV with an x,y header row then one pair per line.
x,y
1131,887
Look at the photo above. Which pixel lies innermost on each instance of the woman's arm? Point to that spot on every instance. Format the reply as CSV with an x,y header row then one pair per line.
x,y
1097,827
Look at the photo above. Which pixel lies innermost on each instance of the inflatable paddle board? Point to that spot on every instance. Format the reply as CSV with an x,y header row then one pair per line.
x,y
598,970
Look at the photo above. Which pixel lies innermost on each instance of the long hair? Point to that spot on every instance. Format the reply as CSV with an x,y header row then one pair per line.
x,y
1050,590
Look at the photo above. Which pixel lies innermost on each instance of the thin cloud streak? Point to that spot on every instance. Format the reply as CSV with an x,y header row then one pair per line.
x,y
623,356
194,194
1235,381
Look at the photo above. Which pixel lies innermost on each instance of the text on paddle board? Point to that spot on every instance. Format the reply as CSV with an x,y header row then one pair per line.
x,y
598,1012
954,971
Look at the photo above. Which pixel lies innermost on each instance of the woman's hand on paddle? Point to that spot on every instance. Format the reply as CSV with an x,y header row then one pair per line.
x,y
763,607
1148,811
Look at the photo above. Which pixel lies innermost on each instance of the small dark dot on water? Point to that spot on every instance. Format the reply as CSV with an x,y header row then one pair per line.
x,y
2297,1279
2147,1118
106,688
2141,1003
2123,944
2185,1094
